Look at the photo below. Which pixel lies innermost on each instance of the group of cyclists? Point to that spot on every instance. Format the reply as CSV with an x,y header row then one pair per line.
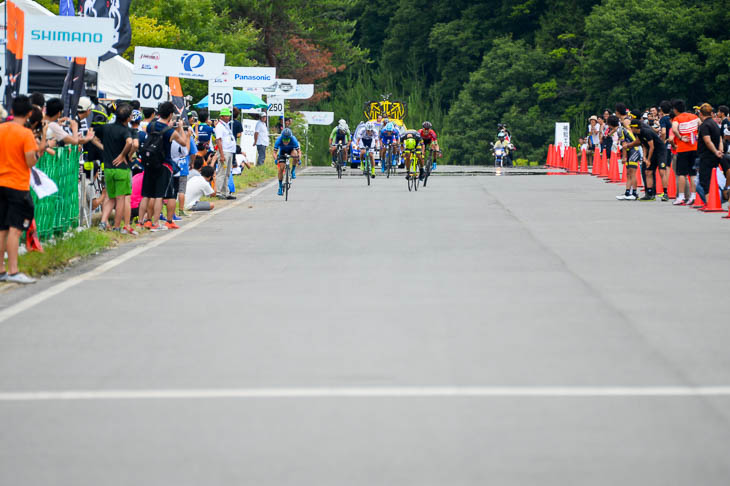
x,y
382,133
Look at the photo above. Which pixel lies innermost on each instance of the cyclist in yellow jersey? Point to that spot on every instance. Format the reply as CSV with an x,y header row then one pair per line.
x,y
413,147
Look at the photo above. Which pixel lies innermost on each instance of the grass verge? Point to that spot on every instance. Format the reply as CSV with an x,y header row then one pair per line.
x,y
63,252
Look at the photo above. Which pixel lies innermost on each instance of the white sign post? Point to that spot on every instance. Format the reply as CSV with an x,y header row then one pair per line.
x,y
177,63
319,117
219,97
68,36
150,91
276,106
562,136
300,92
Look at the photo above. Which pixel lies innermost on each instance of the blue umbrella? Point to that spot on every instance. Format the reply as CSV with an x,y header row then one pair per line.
x,y
241,99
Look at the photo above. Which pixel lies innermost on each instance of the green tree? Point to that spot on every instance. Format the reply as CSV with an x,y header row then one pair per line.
x,y
506,89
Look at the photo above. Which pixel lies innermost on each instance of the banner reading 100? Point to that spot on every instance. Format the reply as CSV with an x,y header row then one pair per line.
x,y
150,91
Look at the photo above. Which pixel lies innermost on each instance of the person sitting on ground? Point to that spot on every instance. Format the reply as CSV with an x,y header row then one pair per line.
x,y
198,163
199,186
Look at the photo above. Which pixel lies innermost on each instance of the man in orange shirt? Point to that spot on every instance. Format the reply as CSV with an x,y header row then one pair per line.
x,y
18,153
685,127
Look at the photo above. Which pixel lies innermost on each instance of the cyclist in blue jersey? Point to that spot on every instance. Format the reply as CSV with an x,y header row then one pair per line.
x,y
389,135
286,144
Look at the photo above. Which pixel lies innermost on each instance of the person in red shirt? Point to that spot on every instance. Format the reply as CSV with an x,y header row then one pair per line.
x,y
430,140
685,127
18,153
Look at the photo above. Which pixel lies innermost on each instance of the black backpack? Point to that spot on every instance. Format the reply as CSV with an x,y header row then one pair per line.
x,y
152,151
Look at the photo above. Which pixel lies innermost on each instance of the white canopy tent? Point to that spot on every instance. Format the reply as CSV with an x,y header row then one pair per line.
x,y
114,77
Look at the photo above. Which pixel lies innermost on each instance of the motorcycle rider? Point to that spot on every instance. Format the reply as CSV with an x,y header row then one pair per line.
x,y
504,144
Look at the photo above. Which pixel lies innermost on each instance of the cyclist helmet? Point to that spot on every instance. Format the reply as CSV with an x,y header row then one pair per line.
x,y
369,127
193,115
286,134
136,116
500,136
385,121
427,125
389,127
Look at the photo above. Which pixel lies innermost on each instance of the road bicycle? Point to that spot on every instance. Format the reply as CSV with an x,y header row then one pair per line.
x,y
390,160
365,163
339,159
430,160
412,176
286,182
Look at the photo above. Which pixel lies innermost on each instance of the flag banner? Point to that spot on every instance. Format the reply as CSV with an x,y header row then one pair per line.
x,y
118,10
178,100
14,50
73,86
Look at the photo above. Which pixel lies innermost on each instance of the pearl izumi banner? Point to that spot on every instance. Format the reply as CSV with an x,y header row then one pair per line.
x,y
68,36
181,64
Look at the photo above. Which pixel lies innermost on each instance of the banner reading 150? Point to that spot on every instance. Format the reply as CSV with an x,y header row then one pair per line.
x,y
150,91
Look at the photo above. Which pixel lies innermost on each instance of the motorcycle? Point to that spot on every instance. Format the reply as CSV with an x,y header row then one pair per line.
x,y
499,154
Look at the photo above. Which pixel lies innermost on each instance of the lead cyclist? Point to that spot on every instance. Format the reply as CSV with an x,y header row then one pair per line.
x,y
368,140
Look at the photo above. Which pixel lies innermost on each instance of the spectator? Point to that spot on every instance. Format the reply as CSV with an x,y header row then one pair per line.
x,y
117,141
182,156
237,129
38,99
135,105
665,129
56,134
204,132
18,152
226,147
710,149
35,123
136,196
134,122
655,154
157,181
261,139
684,127
149,115
199,186
198,163
724,113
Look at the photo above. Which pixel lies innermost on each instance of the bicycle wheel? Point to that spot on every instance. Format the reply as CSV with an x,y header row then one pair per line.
x,y
388,163
416,181
427,170
286,184
410,183
338,165
340,161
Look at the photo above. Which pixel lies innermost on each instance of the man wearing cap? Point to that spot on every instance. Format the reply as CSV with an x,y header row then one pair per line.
x,y
261,139
226,146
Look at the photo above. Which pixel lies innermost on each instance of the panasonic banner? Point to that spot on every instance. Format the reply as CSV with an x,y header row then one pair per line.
x,y
68,36
246,77
178,63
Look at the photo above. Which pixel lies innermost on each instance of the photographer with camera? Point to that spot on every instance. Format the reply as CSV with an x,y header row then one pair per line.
x,y
158,164
62,131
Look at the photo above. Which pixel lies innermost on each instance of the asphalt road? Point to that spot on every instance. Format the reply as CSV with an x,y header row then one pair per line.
x,y
484,330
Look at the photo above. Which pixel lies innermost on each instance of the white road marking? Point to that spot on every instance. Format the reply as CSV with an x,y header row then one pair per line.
x,y
26,304
371,392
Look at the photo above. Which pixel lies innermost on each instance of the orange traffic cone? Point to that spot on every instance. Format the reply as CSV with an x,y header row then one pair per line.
x,y
596,162
583,162
603,166
548,161
672,185
714,201
613,175
639,181
623,172
573,161
658,184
